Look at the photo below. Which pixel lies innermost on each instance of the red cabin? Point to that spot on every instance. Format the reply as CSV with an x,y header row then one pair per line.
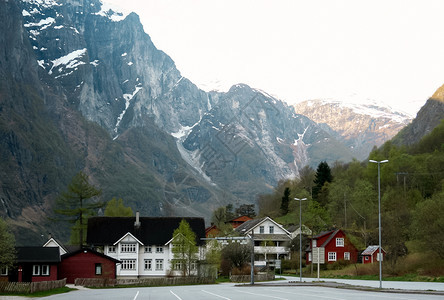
x,y
371,254
87,263
335,245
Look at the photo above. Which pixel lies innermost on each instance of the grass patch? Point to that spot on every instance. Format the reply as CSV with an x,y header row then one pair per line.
x,y
61,290
222,279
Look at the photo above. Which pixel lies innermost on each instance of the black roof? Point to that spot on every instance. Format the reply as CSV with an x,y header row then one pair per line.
x,y
38,254
152,230
85,250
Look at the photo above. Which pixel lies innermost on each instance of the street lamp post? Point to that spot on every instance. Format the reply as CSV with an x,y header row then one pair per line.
x,y
379,216
300,236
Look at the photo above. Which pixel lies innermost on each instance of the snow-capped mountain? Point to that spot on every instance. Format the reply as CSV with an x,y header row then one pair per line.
x,y
359,126
84,88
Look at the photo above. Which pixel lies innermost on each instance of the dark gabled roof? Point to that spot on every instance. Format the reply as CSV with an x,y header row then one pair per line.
x,y
152,230
332,235
321,234
38,254
64,256
247,226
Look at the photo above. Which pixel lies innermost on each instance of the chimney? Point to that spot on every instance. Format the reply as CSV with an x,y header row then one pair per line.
x,y
137,223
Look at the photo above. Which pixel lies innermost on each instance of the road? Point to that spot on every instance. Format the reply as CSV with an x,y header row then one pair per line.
x,y
230,291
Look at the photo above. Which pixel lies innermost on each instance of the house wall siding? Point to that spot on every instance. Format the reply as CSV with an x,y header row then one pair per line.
x,y
82,265
52,275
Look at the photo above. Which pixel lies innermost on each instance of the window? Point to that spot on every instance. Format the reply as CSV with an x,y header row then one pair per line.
x,y
112,249
193,266
147,264
98,268
271,229
4,271
35,270
346,255
159,264
148,249
128,248
128,264
309,256
331,256
339,242
366,258
178,265
261,229
159,249
45,270
314,243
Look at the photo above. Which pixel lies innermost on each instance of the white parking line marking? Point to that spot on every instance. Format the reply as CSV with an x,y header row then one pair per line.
x,y
216,295
311,295
137,294
175,295
262,295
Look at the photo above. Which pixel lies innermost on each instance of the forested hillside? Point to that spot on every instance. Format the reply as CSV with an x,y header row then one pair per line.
x,y
412,199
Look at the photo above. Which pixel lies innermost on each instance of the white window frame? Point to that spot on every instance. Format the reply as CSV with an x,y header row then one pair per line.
x,y
35,270
366,258
261,229
313,243
346,255
177,266
4,271
112,249
128,248
271,229
44,270
148,264
128,264
98,269
309,256
331,256
159,249
148,249
159,264
340,242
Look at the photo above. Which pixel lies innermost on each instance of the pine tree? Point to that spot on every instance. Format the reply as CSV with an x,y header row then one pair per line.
x,y
323,175
285,201
76,204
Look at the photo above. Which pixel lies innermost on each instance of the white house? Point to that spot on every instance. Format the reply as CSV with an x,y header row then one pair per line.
x,y
271,240
142,244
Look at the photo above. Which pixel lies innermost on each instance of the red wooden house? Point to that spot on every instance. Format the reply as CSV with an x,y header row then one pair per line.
x,y
335,245
239,220
35,264
87,263
371,254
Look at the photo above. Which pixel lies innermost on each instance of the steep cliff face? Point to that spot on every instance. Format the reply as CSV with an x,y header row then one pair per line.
x,y
428,117
84,88
359,127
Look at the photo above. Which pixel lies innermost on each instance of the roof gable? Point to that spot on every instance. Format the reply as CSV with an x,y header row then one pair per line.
x,y
250,225
371,249
128,235
152,230
52,242
65,256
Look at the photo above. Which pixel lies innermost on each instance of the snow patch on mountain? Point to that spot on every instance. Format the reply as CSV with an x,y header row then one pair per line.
x,y
128,98
111,12
71,60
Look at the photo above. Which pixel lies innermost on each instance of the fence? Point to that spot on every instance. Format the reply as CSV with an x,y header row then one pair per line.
x,y
30,287
247,278
157,281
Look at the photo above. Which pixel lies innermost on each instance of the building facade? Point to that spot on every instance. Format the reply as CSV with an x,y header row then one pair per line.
x,y
144,246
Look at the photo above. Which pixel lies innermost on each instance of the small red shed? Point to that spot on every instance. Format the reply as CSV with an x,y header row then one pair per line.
x,y
336,246
87,263
371,254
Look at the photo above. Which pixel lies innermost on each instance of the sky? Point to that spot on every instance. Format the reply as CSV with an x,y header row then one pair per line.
x,y
390,52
